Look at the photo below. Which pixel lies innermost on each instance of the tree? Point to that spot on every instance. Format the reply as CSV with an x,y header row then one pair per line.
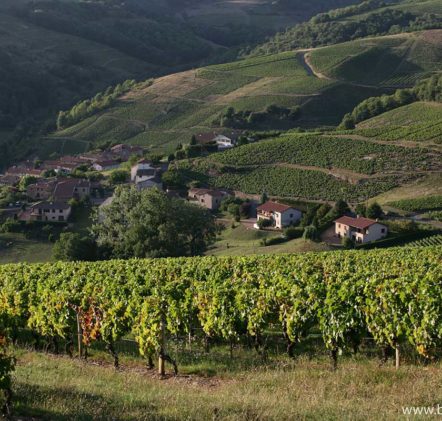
x,y
150,224
374,211
264,197
341,207
361,209
72,247
118,177
193,140
172,179
26,181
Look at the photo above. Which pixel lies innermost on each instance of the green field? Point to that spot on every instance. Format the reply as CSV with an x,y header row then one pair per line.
x,y
15,248
243,241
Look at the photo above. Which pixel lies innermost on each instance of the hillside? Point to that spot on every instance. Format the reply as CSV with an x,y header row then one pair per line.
x,y
368,18
325,83
314,167
76,49
417,122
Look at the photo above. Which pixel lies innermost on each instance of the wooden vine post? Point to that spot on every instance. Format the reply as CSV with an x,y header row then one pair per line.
x,y
398,356
79,336
161,357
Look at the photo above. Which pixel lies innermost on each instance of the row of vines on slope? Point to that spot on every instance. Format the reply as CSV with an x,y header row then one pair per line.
x,y
393,295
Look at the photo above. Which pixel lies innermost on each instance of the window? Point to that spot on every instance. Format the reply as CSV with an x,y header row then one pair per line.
x,y
339,225
383,230
291,215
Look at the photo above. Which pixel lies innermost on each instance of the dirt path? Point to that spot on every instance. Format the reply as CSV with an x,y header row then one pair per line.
x,y
305,61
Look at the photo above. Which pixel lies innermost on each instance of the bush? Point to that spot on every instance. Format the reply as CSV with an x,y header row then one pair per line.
x,y
263,223
273,241
348,243
310,233
374,211
293,232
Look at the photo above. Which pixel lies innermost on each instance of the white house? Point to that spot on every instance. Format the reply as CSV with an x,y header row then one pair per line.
x,y
145,176
50,212
143,170
278,214
360,230
223,140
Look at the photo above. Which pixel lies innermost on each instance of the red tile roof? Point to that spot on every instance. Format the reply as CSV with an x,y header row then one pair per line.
x,y
360,222
273,207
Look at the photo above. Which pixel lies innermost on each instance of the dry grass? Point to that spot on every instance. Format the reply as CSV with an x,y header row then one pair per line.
x,y
58,388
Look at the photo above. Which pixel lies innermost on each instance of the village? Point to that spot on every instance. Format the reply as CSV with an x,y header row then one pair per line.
x,y
49,191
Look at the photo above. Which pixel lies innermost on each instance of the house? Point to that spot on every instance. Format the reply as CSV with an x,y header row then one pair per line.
x,y
61,165
23,170
9,180
145,175
41,190
360,230
210,199
50,212
71,188
142,170
278,214
223,140
105,165
124,152
150,183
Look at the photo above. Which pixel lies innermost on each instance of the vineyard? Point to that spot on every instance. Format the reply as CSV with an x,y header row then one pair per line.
x,y
282,181
418,122
331,152
392,295
397,61
434,240
419,204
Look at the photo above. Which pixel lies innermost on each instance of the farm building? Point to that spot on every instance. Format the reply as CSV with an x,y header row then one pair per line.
x,y
360,230
278,214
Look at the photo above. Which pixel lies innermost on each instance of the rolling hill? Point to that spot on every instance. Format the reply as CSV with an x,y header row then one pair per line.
x,y
325,83
77,48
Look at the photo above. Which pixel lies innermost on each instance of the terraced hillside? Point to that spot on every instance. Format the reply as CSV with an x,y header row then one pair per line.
x,y
176,106
418,122
318,167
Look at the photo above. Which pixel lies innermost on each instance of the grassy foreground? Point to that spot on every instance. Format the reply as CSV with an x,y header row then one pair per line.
x,y
58,388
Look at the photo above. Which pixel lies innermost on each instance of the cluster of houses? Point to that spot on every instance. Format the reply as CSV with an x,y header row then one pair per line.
x,y
50,199
108,159
360,230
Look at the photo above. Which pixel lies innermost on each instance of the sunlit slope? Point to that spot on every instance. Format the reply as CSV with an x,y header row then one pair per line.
x,y
326,83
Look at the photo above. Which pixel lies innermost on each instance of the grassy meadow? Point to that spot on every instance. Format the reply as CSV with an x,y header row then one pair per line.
x,y
51,387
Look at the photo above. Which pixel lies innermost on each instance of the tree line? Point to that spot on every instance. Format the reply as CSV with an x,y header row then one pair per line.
x,y
325,30
426,90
